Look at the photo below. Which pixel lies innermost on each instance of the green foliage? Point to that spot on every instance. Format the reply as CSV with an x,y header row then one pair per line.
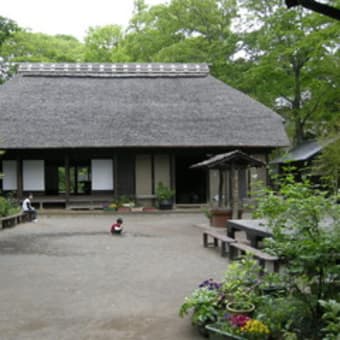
x,y
4,207
331,317
327,165
295,65
38,47
163,192
205,305
8,206
282,315
306,234
7,28
103,44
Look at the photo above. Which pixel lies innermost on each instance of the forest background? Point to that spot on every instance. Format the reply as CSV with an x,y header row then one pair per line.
x,y
288,59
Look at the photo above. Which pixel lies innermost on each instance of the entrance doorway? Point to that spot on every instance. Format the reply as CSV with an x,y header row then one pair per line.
x,y
191,184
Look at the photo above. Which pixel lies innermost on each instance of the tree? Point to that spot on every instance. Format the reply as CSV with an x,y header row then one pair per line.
x,y
294,65
182,31
103,44
150,30
39,47
327,165
7,28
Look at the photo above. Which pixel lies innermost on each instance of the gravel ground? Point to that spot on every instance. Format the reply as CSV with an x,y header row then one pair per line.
x,y
66,277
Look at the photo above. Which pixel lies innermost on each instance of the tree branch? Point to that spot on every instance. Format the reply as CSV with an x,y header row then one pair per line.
x,y
316,7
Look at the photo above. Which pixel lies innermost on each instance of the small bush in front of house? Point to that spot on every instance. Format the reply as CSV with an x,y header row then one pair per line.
x,y
8,206
4,207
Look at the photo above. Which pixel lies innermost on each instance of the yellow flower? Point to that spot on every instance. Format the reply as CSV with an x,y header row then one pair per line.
x,y
255,326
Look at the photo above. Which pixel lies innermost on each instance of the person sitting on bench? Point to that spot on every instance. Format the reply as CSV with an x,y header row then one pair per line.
x,y
28,209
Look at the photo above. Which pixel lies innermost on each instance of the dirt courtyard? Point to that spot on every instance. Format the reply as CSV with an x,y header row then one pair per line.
x,y
66,277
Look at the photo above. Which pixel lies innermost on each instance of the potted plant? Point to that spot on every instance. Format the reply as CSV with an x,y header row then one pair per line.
x,y
164,196
205,303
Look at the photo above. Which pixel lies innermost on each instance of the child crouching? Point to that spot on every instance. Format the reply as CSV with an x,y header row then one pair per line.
x,y
117,227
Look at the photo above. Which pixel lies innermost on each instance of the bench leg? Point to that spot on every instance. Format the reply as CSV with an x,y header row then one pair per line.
x,y
205,240
215,242
232,252
224,248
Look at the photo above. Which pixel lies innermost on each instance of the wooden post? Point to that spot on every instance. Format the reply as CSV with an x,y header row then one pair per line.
x,y
67,177
115,176
220,188
19,178
173,175
234,192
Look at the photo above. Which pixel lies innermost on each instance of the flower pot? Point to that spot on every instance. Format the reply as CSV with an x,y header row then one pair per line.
x,y
220,216
237,308
217,333
165,204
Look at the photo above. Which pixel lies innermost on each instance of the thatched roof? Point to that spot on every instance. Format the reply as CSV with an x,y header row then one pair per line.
x,y
105,105
236,159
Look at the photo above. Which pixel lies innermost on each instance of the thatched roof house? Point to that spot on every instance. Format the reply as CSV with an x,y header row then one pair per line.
x,y
148,121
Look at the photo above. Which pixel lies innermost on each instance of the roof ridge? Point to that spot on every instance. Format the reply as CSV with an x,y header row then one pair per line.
x,y
114,70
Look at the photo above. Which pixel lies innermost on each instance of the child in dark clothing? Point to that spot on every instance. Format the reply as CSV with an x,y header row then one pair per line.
x,y
117,228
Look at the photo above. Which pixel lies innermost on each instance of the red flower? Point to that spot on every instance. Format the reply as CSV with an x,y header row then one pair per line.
x,y
239,320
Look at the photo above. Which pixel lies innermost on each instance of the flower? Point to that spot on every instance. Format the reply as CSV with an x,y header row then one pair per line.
x,y
255,327
244,326
239,320
210,284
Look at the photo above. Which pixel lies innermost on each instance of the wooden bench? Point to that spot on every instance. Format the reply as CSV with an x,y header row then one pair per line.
x,y
217,237
266,261
11,221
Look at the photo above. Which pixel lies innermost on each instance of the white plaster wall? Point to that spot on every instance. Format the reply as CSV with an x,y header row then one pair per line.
x,y
33,175
102,174
9,169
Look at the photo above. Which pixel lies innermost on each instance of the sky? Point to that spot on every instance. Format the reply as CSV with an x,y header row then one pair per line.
x,y
71,17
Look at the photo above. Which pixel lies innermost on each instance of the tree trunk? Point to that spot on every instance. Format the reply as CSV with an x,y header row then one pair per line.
x,y
296,105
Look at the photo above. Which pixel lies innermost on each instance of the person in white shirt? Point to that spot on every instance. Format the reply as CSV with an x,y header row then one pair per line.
x,y
27,207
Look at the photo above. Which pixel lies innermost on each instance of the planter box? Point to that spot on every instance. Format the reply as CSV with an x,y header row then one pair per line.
x,y
220,216
109,209
149,209
137,209
124,209
216,333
